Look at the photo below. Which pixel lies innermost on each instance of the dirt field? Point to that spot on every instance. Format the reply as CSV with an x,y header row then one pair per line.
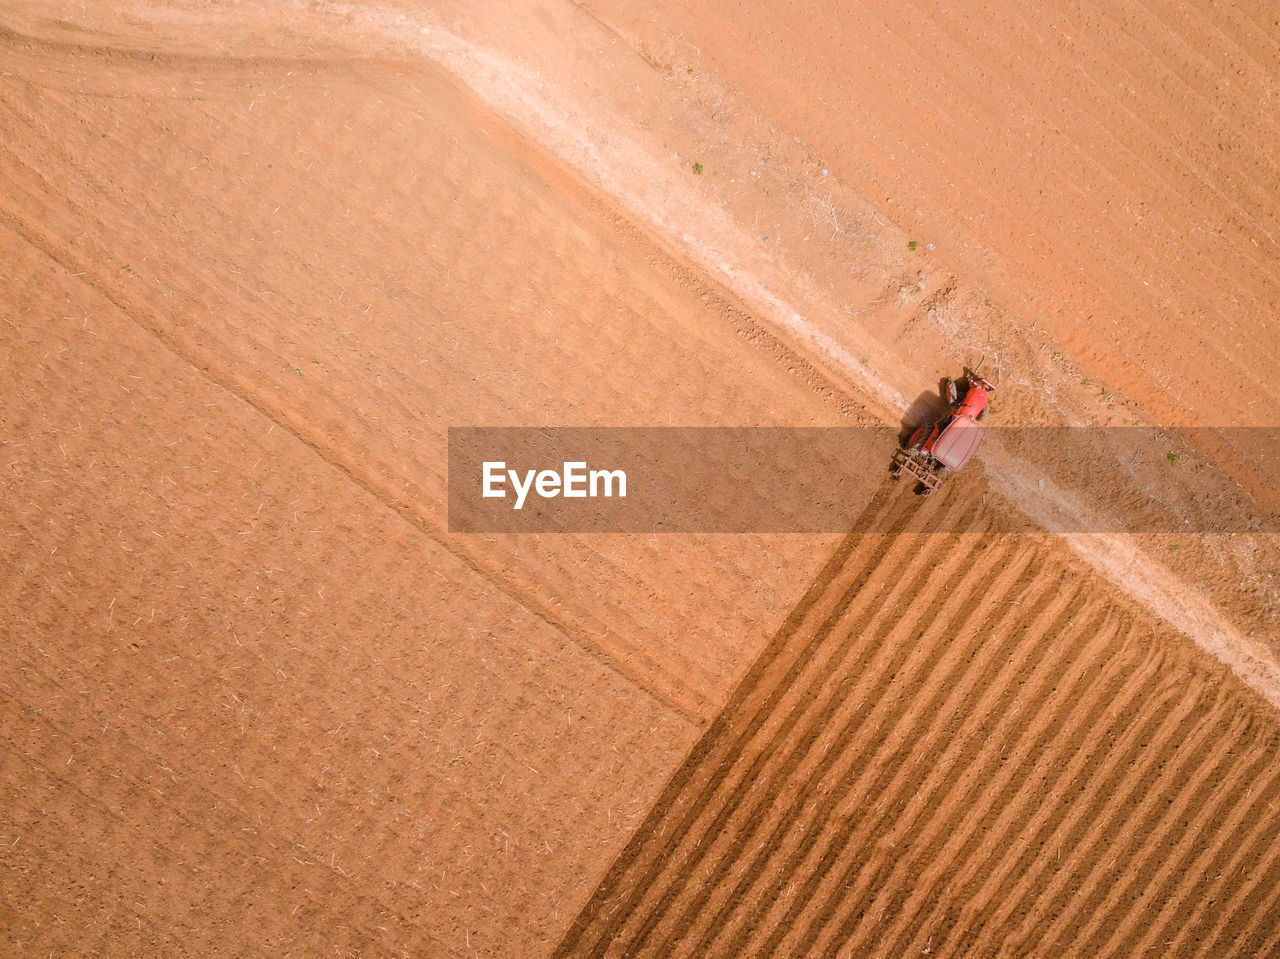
x,y
259,257
915,766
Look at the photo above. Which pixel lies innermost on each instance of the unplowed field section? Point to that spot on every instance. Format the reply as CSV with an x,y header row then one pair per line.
x,y
959,745
1114,161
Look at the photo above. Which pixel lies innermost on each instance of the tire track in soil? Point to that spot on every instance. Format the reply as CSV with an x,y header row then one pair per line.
x,y
954,742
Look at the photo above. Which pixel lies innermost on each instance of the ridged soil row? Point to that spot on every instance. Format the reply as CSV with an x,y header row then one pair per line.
x,y
1184,782
815,777
1247,814
1175,872
870,911
955,743
1268,945
999,774
714,820
848,574
1251,927
1074,810
899,572
815,821
889,772
955,896
1104,864
1104,801
886,768
974,768
1227,878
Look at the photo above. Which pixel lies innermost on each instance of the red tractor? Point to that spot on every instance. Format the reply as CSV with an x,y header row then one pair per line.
x,y
945,447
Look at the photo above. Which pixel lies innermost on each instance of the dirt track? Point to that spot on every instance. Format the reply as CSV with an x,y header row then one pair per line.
x,y
259,701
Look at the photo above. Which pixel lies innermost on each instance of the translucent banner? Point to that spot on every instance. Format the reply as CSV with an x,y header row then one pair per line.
x,y
820,480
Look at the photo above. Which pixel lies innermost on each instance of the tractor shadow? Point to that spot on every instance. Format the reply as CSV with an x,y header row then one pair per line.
x,y
925,410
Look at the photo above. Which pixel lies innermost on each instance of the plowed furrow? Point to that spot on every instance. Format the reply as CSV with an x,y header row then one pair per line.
x,y
833,735
1259,899
1171,816
1228,863
929,569
1025,824
1014,745
844,577
957,744
874,921
793,846
1104,785
977,772
1001,807
903,792
831,778
1171,884
1171,778
1253,932
1096,842
1269,942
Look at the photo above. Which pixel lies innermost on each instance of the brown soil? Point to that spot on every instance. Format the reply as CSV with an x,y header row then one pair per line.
x,y
258,701
958,745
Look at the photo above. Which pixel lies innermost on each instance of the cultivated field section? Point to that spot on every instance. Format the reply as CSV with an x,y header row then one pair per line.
x,y
960,745
257,699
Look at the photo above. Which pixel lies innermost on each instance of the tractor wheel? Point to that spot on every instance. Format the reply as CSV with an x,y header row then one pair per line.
x,y
950,392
